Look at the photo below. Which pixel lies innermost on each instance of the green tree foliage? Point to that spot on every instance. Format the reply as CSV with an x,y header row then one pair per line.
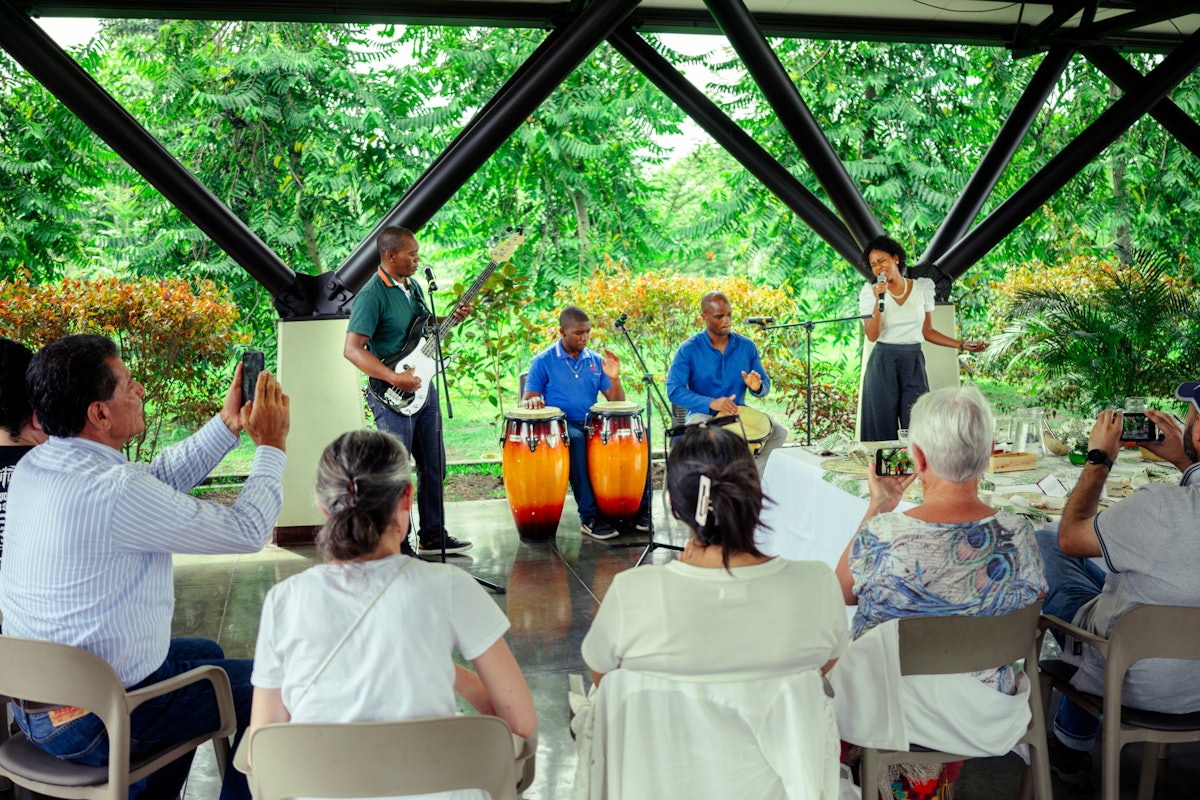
x,y
175,336
575,173
47,177
1093,331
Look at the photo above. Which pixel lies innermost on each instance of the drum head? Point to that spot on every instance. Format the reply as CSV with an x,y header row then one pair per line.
x,y
757,425
545,412
618,408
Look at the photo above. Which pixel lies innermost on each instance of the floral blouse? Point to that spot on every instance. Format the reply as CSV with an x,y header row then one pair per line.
x,y
905,567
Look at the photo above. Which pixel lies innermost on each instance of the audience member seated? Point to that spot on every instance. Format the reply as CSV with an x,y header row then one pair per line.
x,y
20,430
718,654
370,635
952,554
87,556
1148,543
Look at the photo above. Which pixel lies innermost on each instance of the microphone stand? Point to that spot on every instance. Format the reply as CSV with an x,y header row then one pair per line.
x,y
441,373
808,330
653,393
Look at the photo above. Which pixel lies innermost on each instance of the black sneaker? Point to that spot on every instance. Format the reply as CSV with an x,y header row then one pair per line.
x,y
433,548
1073,767
598,529
642,523
406,548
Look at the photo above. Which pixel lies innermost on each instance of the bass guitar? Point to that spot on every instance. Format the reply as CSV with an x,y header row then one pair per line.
x,y
419,351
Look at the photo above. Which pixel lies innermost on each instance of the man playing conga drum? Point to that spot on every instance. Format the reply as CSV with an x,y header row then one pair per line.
x,y
568,375
713,369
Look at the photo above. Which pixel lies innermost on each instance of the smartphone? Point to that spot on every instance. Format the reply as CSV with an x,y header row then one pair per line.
x,y
1137,427
253,363
893,461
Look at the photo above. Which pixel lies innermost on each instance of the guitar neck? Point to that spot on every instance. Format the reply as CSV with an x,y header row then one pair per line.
x,y
450,321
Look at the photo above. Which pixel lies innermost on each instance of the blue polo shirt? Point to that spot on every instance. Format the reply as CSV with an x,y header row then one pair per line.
x,y
567,383
700,372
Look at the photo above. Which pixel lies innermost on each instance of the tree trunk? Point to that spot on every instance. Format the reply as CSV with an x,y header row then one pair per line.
x,y
1117,166
582,225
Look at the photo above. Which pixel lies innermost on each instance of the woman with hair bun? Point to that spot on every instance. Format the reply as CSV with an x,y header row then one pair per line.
x,y
370,634
723,613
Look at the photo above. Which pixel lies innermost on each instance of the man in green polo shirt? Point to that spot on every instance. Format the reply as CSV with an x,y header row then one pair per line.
x,y
381,316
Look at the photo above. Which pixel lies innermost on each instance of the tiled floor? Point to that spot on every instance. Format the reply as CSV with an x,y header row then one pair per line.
x,y
552,592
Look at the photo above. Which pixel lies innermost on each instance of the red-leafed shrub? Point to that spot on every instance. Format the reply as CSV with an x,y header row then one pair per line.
x,y
177,337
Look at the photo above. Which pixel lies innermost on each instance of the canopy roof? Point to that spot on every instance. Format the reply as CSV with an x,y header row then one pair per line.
x,y
1139,24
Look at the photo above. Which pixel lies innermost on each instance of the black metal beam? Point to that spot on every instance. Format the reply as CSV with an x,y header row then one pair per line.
x,y
1142,17
1043,30
79,92
747,39
1064,166
736,141
470,151
1000,154
1169,115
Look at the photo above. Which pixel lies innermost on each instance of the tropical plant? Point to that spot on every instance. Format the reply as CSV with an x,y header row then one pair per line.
x,y
1099,331
177,339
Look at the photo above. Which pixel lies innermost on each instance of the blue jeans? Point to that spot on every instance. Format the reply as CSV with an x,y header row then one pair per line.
x,y
158,723
581,483
420,434
1073,582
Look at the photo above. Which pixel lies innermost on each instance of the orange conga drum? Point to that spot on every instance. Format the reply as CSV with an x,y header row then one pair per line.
x,y
618,457
535,464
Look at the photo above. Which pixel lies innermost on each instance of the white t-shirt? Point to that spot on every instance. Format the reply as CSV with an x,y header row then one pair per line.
x,y
398,664
902,324
682,621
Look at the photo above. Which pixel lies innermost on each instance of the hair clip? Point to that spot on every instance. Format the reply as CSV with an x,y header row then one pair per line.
x,y
703,501
352,488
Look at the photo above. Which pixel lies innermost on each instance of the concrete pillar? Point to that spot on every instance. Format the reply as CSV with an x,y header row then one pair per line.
x,y
941,363
326,401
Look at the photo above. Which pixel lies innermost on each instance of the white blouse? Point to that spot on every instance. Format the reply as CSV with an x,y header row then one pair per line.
x,y
902,324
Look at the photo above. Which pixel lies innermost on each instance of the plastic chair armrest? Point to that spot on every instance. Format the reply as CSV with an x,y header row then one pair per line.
x,y
211,673
526,759
1097,641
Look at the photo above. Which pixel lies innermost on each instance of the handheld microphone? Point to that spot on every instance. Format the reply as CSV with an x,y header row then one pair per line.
x,y
620,323
760,320
881,279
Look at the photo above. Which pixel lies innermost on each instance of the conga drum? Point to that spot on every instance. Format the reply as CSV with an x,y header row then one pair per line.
x,y
618,457
752,425
535,464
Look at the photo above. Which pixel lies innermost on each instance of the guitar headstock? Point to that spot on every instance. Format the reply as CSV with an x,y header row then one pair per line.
x,y
503,251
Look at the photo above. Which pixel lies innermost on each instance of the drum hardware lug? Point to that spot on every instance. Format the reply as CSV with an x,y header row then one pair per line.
x,y
603,437
566,439
532,443
639,433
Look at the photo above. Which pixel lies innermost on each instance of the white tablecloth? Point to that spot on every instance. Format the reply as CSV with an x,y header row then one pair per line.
x,y
813,520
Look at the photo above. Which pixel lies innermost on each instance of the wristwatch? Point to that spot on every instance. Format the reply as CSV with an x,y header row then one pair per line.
x,y
1098,456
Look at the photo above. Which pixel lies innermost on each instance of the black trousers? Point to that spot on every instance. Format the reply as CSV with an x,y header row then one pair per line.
x,y
892,382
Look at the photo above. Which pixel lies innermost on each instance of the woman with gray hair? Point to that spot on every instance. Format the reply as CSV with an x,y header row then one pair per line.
x,y
370,635
953,553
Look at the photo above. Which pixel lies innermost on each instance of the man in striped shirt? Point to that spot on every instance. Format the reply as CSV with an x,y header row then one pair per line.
x,y
89,539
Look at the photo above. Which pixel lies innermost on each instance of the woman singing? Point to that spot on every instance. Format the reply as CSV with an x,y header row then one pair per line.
x,y
901,312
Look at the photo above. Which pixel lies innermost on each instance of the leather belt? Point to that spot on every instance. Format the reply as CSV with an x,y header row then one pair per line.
x,y
36,708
